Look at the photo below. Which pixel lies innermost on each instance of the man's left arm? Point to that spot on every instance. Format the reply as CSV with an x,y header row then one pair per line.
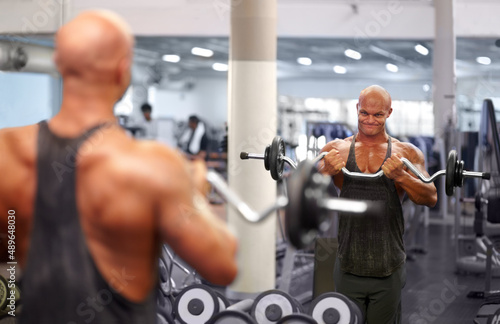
x,y
419,192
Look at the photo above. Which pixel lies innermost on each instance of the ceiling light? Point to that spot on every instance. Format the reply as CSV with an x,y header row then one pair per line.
x,y
483,60
391,67
304,61
202,52
221,67
171,58
352,54
426,87
421,49
339,69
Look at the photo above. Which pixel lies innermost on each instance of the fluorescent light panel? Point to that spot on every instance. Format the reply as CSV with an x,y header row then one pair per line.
x,y
352,54
339,69
221,67
484,60
304,61
391,67
421,49
171,58
202,52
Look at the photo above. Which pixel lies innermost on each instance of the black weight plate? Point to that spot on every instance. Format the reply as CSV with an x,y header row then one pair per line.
x,y
196,304
303,215
270,306
276,164
232,317
297,319
450,173
266,157
4,292
165,304
223,302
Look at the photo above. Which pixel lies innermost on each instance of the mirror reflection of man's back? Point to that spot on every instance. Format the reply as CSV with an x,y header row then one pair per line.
x,y
92,204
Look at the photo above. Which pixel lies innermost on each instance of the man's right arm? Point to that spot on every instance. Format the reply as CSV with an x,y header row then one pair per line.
x,y
188,225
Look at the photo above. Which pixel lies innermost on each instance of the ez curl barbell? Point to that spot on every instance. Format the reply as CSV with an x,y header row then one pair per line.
x,y
306,207
274,159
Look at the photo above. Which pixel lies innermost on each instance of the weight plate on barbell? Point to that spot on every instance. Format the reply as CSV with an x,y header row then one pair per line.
x,y
266,157
303,213
450,173
196,304
270,306
276,163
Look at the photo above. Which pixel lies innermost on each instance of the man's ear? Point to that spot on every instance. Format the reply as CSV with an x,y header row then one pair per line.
x,y
357,107
123,72
389,112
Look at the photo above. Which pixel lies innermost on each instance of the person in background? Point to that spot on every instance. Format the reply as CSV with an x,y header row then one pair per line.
x,y
149,127
194,141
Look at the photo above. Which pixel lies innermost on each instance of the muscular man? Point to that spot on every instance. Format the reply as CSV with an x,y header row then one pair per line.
x,y
92,205
371,256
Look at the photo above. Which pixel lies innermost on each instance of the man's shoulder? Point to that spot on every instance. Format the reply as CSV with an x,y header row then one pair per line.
x,y
338,143
148,160
406,149
18,140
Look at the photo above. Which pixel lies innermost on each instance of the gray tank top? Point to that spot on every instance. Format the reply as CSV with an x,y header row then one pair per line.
x,y
61,283
371,245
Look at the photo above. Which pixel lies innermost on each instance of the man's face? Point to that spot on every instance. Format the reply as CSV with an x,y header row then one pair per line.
x,y
147,115
192,125
372,114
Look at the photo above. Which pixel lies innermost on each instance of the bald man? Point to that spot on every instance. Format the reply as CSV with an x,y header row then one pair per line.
x,y
92,206
371,256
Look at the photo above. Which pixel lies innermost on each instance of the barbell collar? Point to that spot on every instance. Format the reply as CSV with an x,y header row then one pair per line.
x,y
248,156
475,174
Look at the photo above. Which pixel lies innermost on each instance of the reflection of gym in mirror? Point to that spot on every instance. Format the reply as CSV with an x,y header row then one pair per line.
x,y
249,162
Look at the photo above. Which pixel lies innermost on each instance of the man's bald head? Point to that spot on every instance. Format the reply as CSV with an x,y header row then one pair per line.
x,y
375,92
93,46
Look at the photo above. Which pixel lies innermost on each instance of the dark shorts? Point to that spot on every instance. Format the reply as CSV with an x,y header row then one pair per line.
x,y
378,298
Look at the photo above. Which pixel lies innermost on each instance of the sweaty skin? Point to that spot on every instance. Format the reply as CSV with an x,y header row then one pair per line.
x,y
373,108
131,195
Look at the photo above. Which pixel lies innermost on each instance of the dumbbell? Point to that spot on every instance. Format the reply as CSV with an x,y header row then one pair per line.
x,y
305,208
235,314
335,308
5,295
197,304
297,319
272,305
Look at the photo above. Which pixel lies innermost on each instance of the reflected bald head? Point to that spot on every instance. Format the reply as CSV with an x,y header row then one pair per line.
x,y
93,46
376,92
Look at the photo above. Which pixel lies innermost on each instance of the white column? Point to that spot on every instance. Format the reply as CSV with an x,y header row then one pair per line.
x,y
252,125
444,81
